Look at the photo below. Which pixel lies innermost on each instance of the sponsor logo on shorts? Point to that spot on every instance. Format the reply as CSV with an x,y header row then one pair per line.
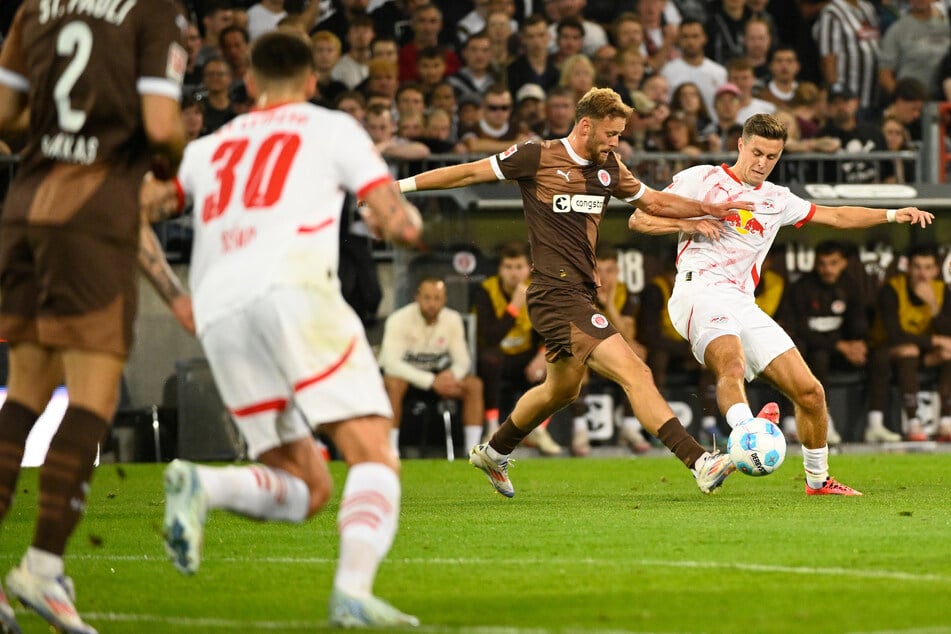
x,y
719,319
604,177
599,321
581,203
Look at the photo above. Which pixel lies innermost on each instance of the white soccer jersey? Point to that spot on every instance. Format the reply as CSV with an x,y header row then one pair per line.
x,y
268,189
737,257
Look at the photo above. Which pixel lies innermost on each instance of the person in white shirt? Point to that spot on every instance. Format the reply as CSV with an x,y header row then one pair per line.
x,y
739,72
424,345
692,65
352,67
286,351
712,304
263,16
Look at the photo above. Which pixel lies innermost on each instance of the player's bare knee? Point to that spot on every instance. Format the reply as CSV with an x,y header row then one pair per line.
x,y
811,397
734,369
320,493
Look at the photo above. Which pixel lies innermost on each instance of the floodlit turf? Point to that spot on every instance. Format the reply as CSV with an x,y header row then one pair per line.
x,y
606,545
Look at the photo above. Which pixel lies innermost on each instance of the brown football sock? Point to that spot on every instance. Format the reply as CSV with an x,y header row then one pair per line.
x,y
682,444
506,439
65,476
16,421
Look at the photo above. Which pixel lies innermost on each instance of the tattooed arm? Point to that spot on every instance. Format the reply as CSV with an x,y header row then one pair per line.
x,y
157,271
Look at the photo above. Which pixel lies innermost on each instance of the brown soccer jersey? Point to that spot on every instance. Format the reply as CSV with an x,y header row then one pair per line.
x,y
84,65
564,197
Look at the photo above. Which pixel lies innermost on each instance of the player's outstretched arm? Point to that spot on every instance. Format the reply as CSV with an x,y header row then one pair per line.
x,y
848,217
451,176
645,223
659,203
392,217
155,267
162,118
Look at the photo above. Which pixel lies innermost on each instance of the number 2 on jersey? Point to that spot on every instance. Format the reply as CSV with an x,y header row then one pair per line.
x,y
266,178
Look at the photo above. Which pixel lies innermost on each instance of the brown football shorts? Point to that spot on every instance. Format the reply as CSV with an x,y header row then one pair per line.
x,y
65,289
567,319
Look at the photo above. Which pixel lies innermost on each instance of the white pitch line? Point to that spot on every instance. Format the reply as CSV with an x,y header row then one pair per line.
x,y
235,624
859,573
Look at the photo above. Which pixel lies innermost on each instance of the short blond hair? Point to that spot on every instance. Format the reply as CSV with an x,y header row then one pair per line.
x,y
601,103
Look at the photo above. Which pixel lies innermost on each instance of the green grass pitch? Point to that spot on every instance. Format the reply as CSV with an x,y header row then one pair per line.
x,y
595,545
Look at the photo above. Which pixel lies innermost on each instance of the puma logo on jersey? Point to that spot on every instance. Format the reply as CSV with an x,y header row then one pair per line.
x,y
567,175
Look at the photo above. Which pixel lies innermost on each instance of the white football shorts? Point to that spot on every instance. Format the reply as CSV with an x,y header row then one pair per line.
x,y
702,313
291,360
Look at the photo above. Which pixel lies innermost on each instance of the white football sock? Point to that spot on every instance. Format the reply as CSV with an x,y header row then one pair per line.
x,y
367,521
738,414
43,563
876,419
472,435
816,462
580,424
256,491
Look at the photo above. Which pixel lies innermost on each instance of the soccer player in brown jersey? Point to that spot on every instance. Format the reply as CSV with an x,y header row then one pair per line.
x,y
566,185
102,82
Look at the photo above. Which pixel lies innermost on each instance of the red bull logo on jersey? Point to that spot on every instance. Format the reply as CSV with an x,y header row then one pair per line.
x,y
744,222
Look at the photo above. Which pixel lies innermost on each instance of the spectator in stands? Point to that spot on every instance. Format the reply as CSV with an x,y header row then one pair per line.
x,y
657,89
218,15
477,20
631,67
352,68
724,28
510,353
339,16
897,138
760,12
474,76
907,101
294,25
692,65
855,137
380,127
410,99
534,66
757,44
783,72
726,106
382,79
326,48
913,322
826,314
559,113
426,25
443,97
393,19
593,34
496,131
469,118
385,48
809,107
193,44
605,66
914,46
193,120
530,108
627,32
431,68
848,35
664,346
796,142
503,43
569,41
660,36
234,50
740,74
424,346
354,104
687,99
577,73
217,102
437,132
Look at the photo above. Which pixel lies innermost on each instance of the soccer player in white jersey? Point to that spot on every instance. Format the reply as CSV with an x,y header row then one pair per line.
x,y
712,303
287,353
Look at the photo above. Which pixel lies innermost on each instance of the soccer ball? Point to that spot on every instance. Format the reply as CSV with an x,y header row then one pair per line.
x,y
757,447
